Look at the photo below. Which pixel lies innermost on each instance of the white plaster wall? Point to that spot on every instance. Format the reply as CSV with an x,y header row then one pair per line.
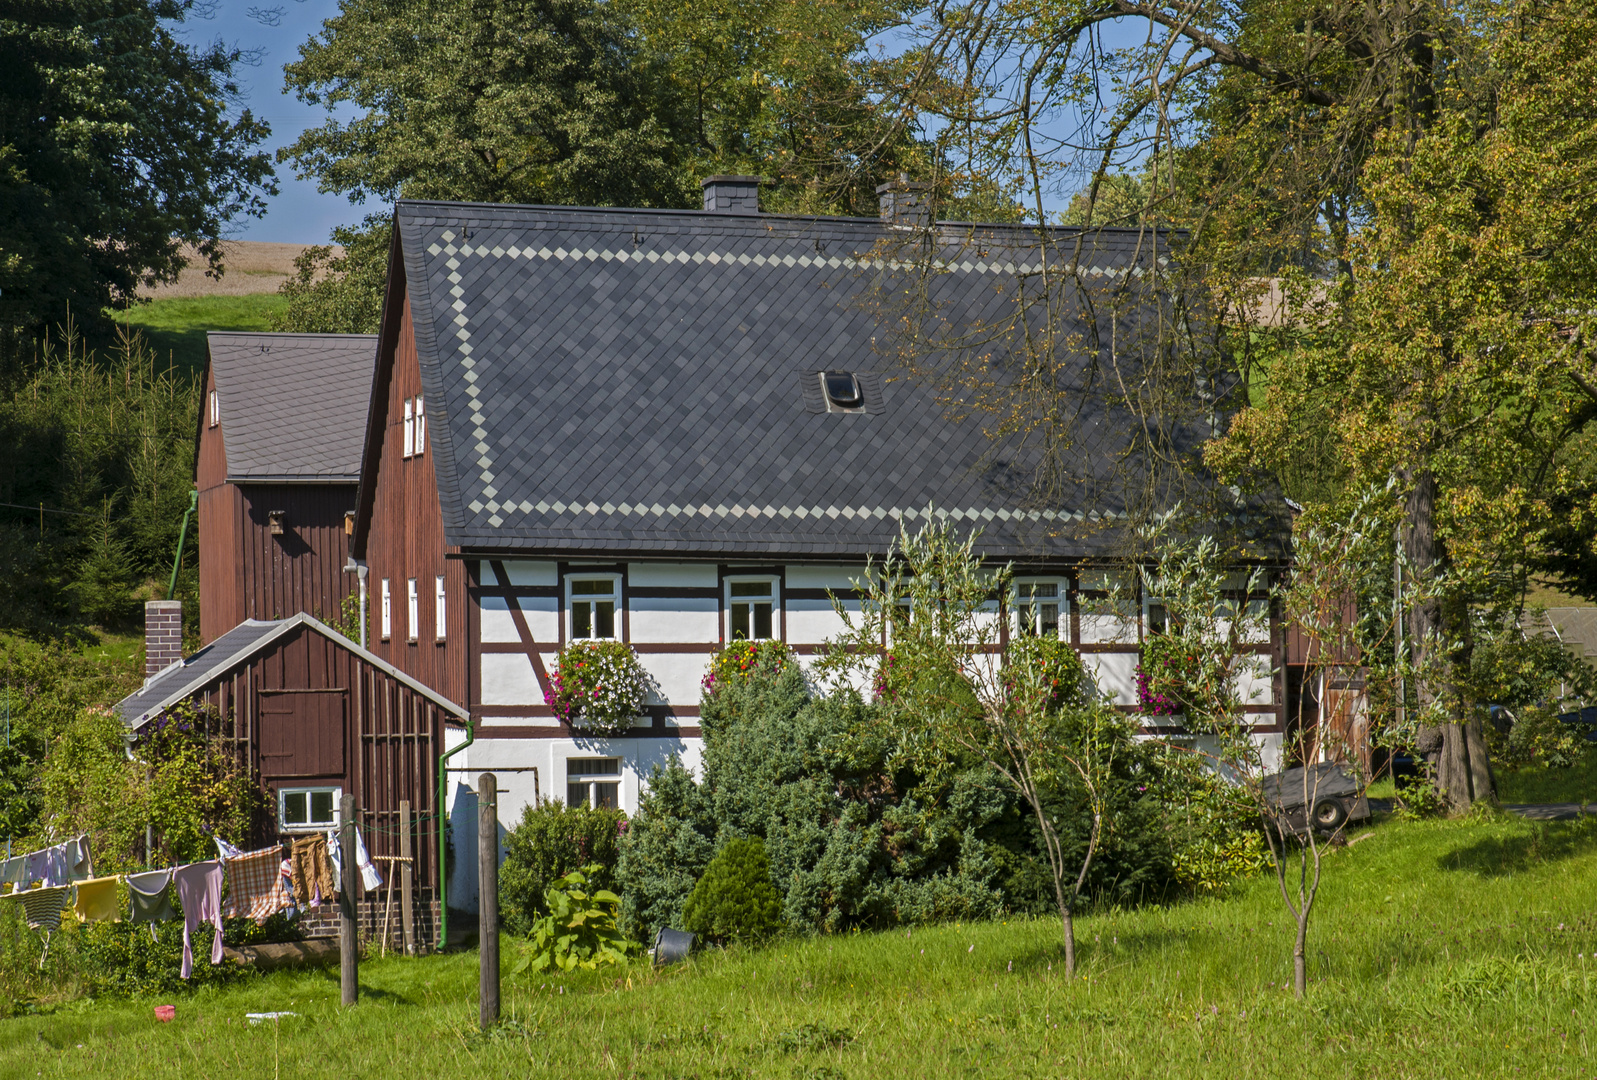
x,y
836,577
672,575
684,619
676,676
1099,629
527,572
508,679
541,612
1116,674
814,622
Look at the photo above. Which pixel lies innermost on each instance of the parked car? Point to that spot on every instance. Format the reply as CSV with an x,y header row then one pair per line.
x,y
1335,796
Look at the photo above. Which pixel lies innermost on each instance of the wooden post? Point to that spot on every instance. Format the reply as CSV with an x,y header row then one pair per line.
x,y
406,876
348,936
488,897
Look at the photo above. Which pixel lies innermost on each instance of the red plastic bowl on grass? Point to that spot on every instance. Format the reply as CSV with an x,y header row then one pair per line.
x,y
166,1013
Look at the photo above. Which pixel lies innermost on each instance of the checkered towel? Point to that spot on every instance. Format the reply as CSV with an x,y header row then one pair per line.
x,y
255,885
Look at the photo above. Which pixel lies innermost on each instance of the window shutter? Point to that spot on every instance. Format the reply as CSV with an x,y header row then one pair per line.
x,y
410,429
421,427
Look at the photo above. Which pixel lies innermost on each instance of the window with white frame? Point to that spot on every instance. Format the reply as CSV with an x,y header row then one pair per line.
x,y
412,609
592,600
308,809
593,782
1041,607
216,409
421,427
439,608
751,609
388,611
408,446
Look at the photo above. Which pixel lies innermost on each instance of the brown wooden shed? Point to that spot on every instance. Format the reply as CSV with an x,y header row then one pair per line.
x,y
314,716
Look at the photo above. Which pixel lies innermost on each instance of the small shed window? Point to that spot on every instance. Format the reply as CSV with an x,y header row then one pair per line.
x,y
439,608
421,427
307,809
593,602
388,611
751,609
412,609
409,444
842,390
588,783
216,409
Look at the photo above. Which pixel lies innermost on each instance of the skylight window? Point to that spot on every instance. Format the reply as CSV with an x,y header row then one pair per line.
x,y
842,390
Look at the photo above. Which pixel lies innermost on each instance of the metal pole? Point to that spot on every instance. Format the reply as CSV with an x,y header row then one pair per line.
x,y
348,938
488,898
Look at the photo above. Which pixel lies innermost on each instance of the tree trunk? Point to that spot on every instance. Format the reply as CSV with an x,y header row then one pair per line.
x,y
1300,966
1070,941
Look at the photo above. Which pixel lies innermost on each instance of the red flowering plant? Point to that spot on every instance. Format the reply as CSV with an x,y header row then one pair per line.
x,y
1167,672
742,659
598,686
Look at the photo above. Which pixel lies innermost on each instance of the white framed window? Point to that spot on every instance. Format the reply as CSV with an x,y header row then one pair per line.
x,y
593,782
388,612
439,608
421,427
593,601
751,604
1042,607
216,409
308,809
412,609
408,446
1154,616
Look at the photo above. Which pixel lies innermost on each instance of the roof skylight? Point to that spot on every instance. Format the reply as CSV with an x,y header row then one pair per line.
x,y
842,390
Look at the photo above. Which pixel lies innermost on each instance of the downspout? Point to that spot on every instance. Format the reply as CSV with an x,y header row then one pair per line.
x,y
182,534
443,852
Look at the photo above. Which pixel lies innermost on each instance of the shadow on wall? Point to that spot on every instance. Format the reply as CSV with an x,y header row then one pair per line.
x,y
462,890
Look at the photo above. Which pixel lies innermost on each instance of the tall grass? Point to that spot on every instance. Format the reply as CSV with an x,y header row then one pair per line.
x,y
1442,950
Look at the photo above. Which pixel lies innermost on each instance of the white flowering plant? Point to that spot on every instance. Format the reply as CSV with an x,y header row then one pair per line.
x,y
598,686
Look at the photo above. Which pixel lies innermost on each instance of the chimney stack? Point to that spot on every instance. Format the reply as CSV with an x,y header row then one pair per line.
x,y
906,203
731,194
163,635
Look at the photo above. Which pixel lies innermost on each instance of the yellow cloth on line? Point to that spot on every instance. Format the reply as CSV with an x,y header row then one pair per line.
x,y
97,900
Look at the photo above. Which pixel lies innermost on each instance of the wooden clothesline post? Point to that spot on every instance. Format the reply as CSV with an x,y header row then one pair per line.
x,y
348,938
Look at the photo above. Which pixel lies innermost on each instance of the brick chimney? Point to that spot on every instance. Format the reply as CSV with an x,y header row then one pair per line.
x,y
905,203
163,635
731,194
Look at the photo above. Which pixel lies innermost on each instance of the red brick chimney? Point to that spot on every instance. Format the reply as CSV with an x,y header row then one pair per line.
x,y
163,635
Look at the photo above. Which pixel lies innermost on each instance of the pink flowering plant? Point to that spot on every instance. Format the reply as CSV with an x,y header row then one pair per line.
x,y
598,686
742,659
1166,673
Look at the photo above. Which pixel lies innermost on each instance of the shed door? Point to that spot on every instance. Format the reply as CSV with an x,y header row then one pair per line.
x,y
302,732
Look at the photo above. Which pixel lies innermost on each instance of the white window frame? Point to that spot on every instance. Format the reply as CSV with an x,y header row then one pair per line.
x,y
776,605
1148,604
216,408
388,612
309,826
412,610
1018,605
419,444
440,609
590,780
408,444
570,613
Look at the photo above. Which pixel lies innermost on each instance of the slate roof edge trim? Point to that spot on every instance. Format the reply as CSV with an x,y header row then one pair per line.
x,y
722,510
294,478
429,361
282,626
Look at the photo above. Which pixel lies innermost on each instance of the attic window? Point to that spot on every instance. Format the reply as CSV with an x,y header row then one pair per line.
x,y
216,409
842,390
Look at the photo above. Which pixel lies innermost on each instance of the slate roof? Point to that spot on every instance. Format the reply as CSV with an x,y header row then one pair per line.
x,y
647,382
234,648
293,405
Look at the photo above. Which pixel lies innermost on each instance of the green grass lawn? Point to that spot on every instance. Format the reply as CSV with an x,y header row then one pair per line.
x,y
1441,949
175,327
1539,784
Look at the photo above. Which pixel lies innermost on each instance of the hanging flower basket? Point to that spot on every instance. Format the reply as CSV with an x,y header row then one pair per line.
x,y
743,659
598,687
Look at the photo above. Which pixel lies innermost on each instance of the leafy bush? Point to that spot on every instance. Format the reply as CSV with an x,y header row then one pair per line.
x,y
579,931
598,686
549,842
742,660
666,847
123,960
1211,829
735,900
1165,674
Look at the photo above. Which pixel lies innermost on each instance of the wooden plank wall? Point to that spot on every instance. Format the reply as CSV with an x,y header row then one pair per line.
x,y
221,595
406,540
302,569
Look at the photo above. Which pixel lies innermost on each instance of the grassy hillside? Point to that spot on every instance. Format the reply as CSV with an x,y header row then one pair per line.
x,y
176,326
1441,950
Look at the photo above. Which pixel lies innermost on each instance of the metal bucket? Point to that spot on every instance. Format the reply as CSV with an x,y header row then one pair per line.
x,y
671,946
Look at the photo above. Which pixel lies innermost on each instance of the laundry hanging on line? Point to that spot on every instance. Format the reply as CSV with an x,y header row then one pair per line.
x,y
255,885
59,864
96,900
42,907
370,877
150,899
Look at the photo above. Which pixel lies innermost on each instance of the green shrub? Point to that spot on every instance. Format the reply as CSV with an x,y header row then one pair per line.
x,y
122,959
666,847
1212,830
579,931
735,900
549,842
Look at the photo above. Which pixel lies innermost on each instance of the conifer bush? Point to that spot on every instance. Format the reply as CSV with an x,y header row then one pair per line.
x,y
735,900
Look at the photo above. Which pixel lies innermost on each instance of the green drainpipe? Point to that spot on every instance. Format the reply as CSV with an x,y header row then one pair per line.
x,y
182,535
443,852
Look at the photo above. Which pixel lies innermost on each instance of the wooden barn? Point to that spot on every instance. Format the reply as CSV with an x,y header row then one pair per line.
x,y
277,462
315,716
